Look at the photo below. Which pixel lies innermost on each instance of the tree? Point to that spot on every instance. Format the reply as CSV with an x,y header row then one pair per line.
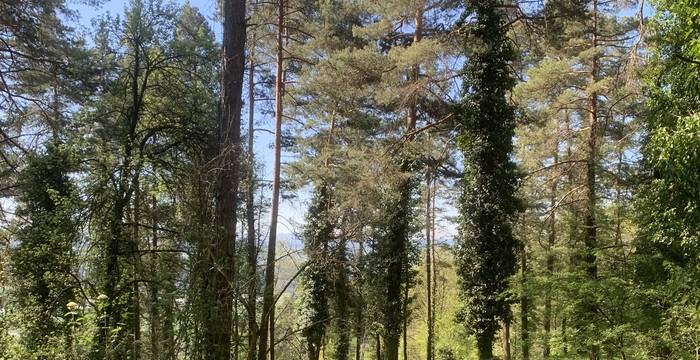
x,y
221,280
269,303
316,278
122,113
151,122
45,72
486,246
667,206
42,261
561,157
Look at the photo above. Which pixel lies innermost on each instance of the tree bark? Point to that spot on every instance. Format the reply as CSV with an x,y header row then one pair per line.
x,y
524,306
268,295
222,277
428,268
592,143
154,316
342,330
251,250
484,346
271,355
405,323
359,305
506,341
591,241
551,242
136,259
434,264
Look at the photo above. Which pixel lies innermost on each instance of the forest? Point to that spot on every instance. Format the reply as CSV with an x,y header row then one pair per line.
x,y
349,179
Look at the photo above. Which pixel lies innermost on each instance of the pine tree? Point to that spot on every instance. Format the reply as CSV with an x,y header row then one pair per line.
x,y
221,281
571,168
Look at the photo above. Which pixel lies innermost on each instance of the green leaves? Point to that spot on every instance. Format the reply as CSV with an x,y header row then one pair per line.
x,y
485,249
672,198
42,261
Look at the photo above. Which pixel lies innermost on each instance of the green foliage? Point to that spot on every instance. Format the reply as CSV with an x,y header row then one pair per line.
x,y
316,279
668,203
108,238
42,261
486,247
671,199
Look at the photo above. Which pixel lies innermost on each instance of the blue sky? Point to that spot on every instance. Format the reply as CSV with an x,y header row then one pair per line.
x,y
291,211
207,7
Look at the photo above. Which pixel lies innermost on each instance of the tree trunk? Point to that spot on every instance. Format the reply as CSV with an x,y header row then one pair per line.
x,y
268,295
434,264
524,306
399,237
222,277
428,268
564,338
405,323
551,242
342,330
591,241
484,346
115,315
136,259
359,305
591,201
618,189
154,316
236,334
506,341
272,333
251,249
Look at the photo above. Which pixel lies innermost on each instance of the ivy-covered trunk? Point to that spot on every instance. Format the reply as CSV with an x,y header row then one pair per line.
x,y
486,246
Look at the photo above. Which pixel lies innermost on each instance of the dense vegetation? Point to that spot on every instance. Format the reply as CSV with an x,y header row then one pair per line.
x,y
480,179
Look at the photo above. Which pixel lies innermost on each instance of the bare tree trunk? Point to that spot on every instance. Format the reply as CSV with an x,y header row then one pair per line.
x,y
136,258
222,278
428,268
250,214
618,190
589,218
155,308
378,341
340,322
547,316
359,306
405,323
524,306
272,332
590,225
551,242
268,296
434,264
506,340
236,335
